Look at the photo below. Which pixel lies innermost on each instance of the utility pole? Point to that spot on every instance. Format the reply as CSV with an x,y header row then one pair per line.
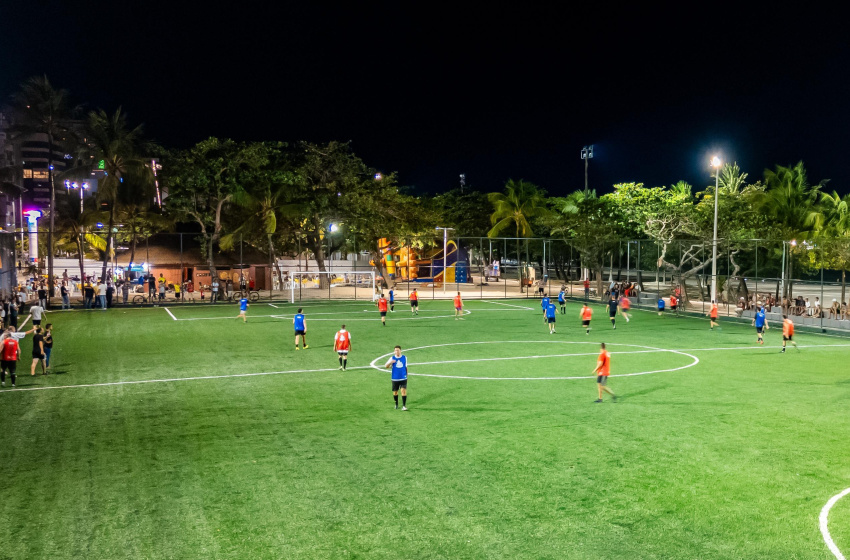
x,y
586,155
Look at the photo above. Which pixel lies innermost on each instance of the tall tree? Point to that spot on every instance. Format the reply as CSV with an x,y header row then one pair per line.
x,y
203,180
42,109
128,178
514,209
832,234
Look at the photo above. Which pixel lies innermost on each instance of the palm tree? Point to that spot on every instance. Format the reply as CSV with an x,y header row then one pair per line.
x,y
77,226
128,179
520,202
732,180
41,109
790,203
833,230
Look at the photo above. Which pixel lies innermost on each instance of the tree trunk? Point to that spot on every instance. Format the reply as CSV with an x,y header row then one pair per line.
x,y
518,261
50,283
109,241
843,284
211,259
600,293
81,253
275,264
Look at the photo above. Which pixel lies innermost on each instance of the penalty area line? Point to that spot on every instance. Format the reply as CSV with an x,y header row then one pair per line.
x,y
170,313
824,524
506,304
174,379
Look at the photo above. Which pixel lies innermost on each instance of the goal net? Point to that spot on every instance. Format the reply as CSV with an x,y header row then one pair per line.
x,y
331,285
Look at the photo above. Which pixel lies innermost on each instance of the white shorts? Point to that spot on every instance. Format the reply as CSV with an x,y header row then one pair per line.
x,y
342,352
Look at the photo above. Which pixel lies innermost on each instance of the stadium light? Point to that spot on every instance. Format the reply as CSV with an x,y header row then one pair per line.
x,y
715,163
586,155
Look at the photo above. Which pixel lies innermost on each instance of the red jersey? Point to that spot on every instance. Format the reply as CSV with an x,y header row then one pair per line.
x,y
382,305
10,350
625,303
414,297
713,312
586,284
603,364
586,313
458,302
342,340
673,300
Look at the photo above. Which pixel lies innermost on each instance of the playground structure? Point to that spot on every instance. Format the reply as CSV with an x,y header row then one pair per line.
x,y
426,265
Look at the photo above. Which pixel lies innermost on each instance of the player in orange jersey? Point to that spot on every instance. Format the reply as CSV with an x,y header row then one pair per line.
x,y
382,308
712,314
788,333
458,307
602,371
586,315
342,345
625,306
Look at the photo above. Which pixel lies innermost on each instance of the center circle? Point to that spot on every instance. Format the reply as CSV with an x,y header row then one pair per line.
x,y
638,349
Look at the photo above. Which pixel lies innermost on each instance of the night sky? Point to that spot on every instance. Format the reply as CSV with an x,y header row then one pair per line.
x,y
432,93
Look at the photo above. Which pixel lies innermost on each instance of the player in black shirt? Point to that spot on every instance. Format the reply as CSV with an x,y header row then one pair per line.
x,y
612,310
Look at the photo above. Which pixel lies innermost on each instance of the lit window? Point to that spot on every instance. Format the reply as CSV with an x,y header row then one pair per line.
x,y
27,173
39,175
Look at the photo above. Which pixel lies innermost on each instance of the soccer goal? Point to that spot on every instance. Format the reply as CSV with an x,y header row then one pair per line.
x,y
332,285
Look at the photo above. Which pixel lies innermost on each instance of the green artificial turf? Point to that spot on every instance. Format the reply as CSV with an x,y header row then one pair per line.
x,y
732,457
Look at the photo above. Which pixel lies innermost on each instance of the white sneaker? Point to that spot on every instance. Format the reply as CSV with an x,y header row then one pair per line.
x,y
404,408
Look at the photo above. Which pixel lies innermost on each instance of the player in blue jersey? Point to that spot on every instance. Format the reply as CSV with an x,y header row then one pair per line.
x,y
562,300
300,324
243,309
544,303
392,301
612,310
660,306
551,313
760,322
398,363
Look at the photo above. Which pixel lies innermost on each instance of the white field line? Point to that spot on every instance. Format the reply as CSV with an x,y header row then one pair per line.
x,y
170,313
275,306
173,379
311,316
824,528
24,323
508,304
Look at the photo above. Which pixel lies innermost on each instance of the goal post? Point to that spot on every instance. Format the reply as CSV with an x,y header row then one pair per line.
x,y
331,285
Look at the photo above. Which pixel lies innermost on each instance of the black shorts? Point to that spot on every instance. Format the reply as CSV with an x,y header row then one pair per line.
x,y
383,313
602,379
399,385
612,315
673,307
299,333
783,338
36,322
37,356
9,365
551,319
414,303
759,330
585,323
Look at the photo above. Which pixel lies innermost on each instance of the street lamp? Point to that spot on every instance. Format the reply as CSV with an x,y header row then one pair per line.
x,y
82,186
715,163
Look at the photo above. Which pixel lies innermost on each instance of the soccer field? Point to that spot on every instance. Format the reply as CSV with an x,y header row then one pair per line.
x,y
184,433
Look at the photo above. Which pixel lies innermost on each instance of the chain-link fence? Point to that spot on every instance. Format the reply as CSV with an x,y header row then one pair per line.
x,y
804,280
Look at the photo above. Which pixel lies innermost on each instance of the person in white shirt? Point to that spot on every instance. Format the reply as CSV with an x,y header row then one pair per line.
x,y
101,294
36,311
214,297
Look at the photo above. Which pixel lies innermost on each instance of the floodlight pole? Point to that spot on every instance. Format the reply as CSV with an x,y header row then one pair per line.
x,y
586,155
715,162
445,249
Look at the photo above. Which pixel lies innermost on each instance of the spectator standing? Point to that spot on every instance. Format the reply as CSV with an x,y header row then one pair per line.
x,y
214,296
13,314
66,297
125,291
42,296
88,295
162,286
151,286
110,291
48,344
251,284
101,294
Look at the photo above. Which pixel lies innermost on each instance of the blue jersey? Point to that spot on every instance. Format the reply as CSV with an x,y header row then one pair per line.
x,y
399,368
661,304
243,304
392,296
544,303
298,322
760,317
561,297
550,311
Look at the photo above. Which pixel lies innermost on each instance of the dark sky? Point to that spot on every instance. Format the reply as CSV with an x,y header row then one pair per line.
x,y
432,92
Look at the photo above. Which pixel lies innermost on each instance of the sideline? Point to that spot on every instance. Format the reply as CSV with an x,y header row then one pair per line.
x,y
824,528
170,313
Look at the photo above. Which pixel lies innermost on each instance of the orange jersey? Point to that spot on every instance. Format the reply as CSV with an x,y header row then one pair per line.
x,y
713,312
458,302
787,328
625,303
342,340
10,350
382,304
414,297
586,313
603,364
673,300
